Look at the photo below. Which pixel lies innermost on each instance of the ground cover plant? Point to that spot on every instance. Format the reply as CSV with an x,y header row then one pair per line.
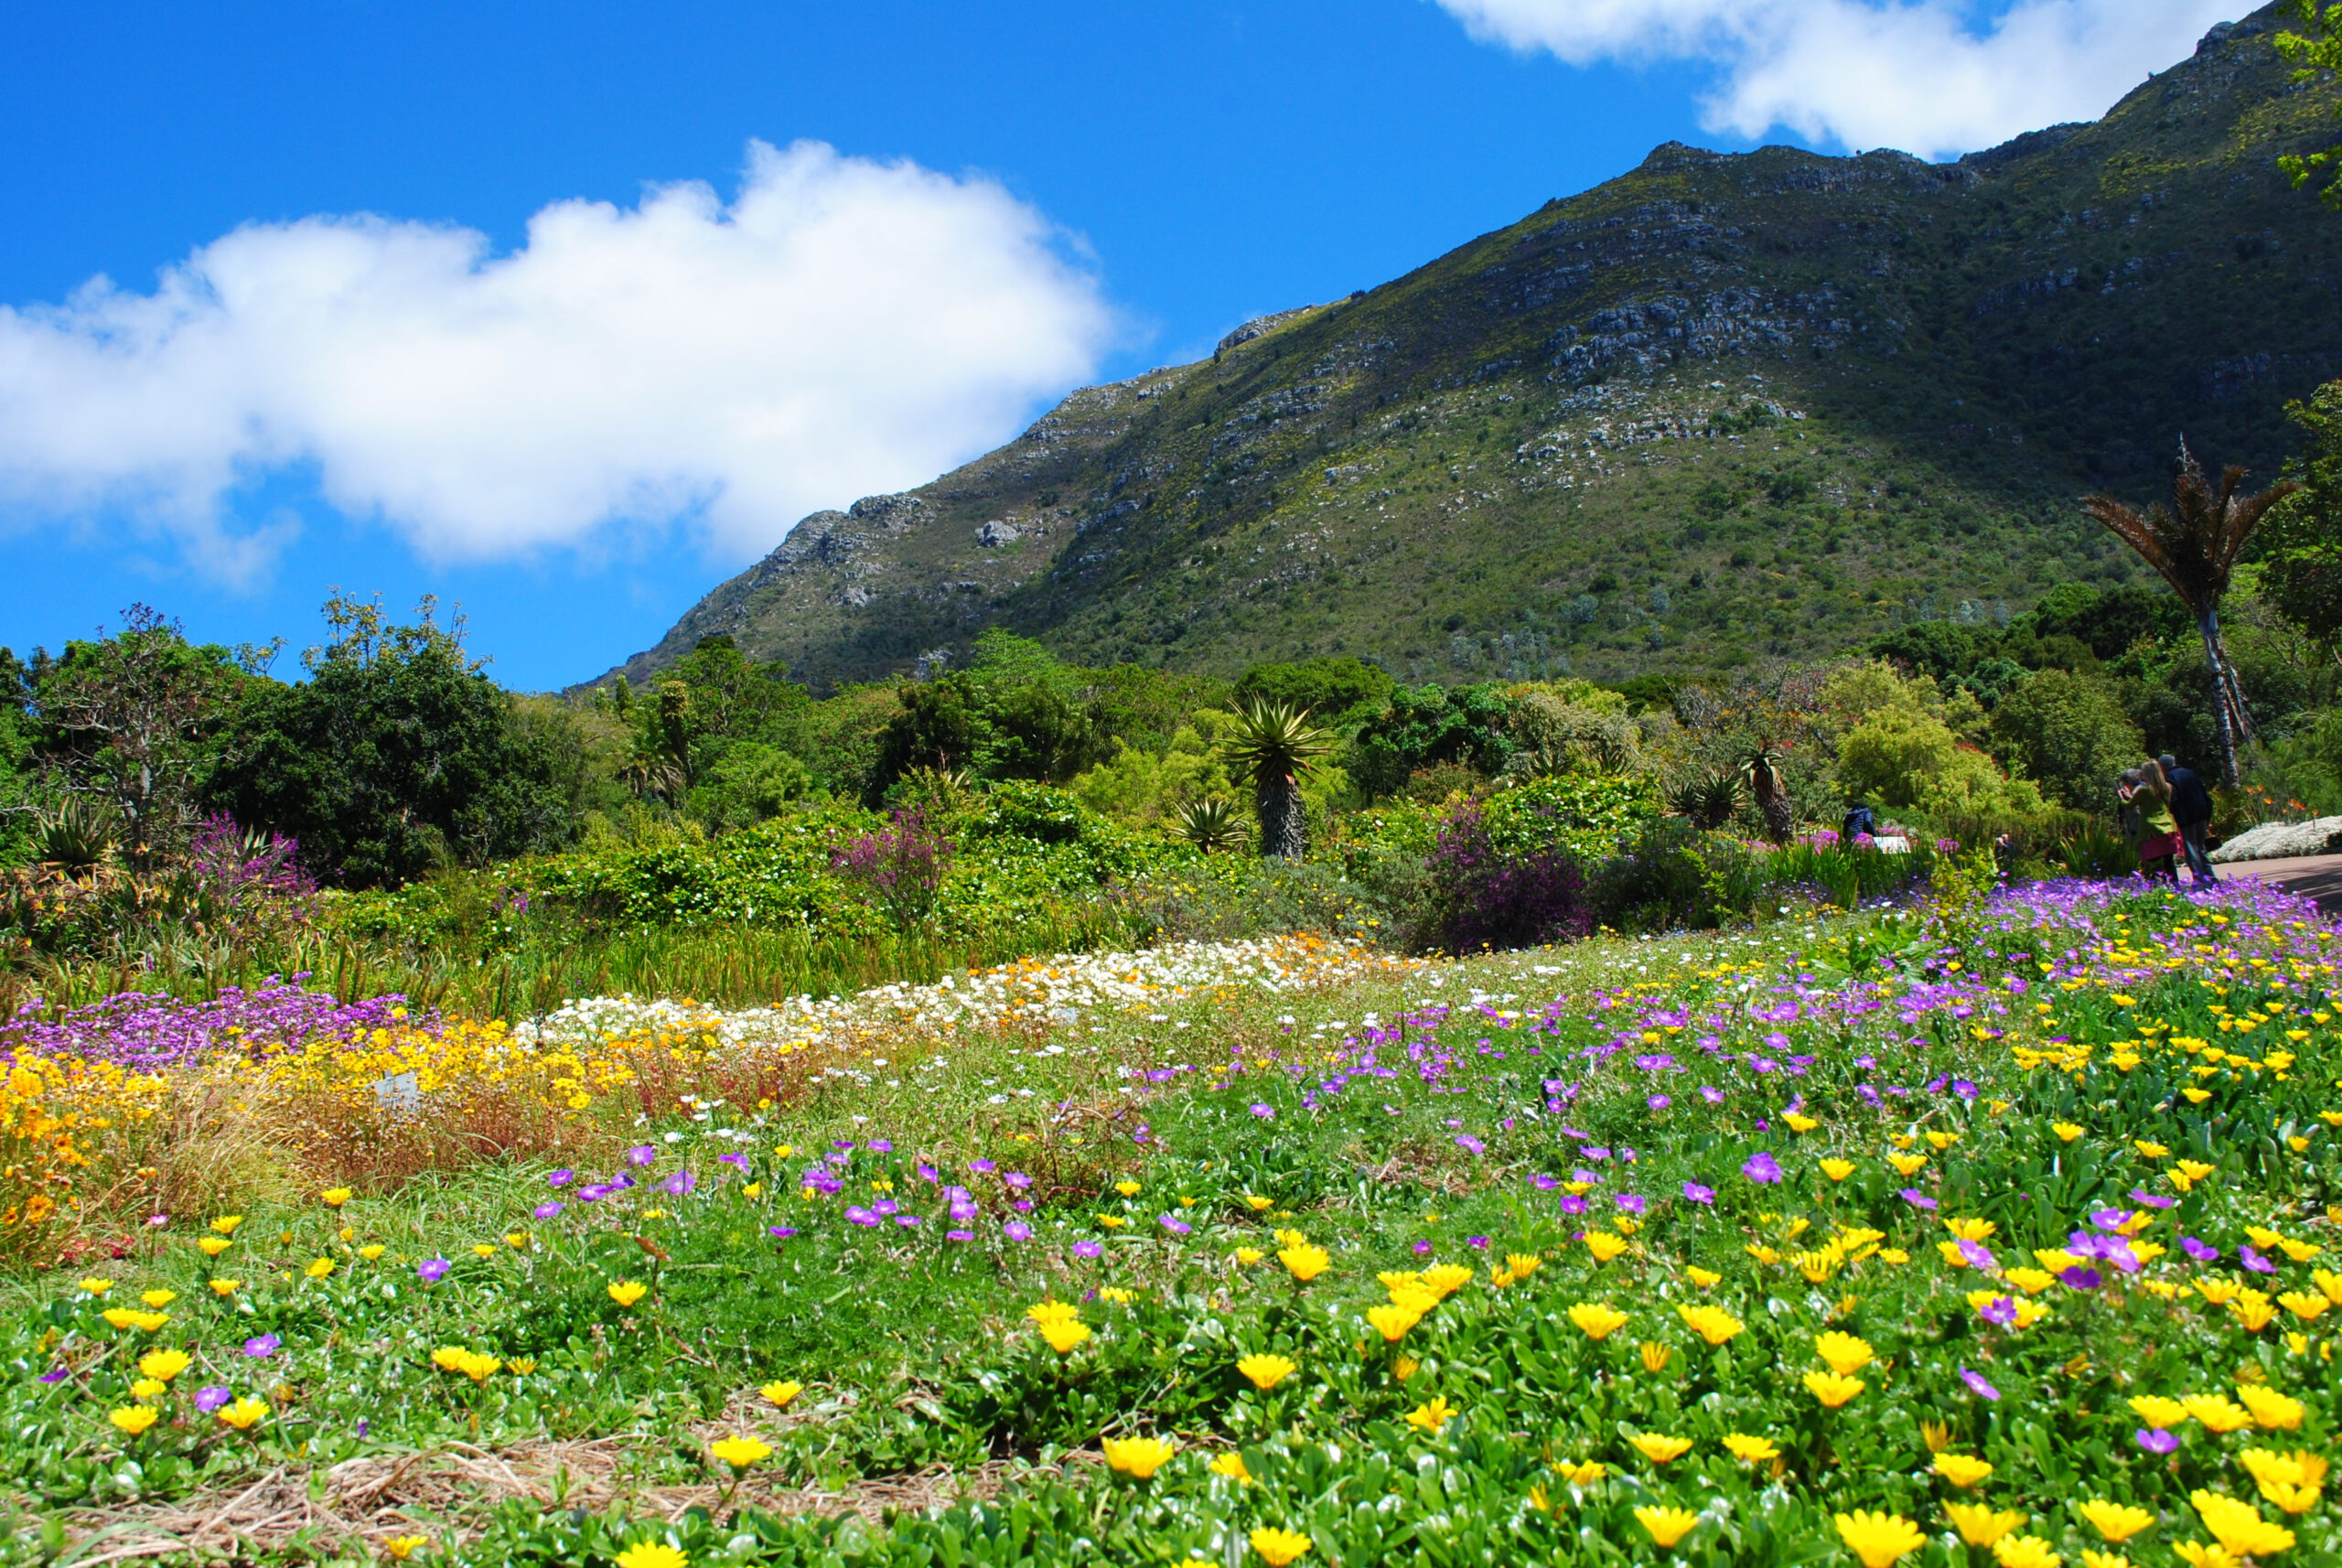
x,y
1848,1239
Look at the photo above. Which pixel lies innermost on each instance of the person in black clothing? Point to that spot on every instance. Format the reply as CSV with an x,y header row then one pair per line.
x,y
1859,823
2191,808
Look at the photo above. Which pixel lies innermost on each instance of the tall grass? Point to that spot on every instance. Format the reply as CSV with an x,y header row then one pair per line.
x,y
733,965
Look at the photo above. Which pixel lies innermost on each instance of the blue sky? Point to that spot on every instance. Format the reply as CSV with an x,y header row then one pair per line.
x,y
1099,187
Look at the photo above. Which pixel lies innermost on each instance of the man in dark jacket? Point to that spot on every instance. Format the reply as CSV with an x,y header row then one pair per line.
x,y
2191,808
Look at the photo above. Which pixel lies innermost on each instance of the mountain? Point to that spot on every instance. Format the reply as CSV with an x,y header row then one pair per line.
x,y
1718,408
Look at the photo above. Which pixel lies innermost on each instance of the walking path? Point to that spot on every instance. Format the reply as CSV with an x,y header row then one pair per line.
x,y
2318,876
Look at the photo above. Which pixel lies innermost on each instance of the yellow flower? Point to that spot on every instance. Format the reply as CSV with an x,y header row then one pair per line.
x,y
523,1364
2117,1522
134,1419
2158,1412
2216,1413
1845,1354
1712,1324
1266,1372
131,1317
226,1287
2067,1131
145,1391
244,1414
1596,1320
1907,1165
1443,1280
1605,1245
226,1224
1666,1526
164,1365
1751,1450
158,1299
402,1546
651,1554
1127,1188
318,1268
214,1245
1879,1540
740,1452
2272,1411
1248,1256
97,1286
1063,1337
1979,1524
2151,1150
1837,1170
779,1394
1404,1368
1231,1465
1660,1449
334,1196
626,1293
1656,1356
2094,1559
1703,1278
2025,1552
1432,1418
2237,1526
1138,1456
1279,1547
1305,1263
1258,1204
1832,1389
1798,1124
1962,1470
2202,1554
371,1252
1392,1322
488,1249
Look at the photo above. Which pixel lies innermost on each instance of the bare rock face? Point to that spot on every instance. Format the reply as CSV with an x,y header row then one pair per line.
x,y
997,532
2283,841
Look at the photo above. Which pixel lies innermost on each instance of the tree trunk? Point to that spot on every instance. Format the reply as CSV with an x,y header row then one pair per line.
x,y
2231,722
1284,821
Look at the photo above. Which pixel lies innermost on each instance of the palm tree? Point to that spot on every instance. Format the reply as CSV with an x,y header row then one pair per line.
x,y
1762,770
1272,746
2195,542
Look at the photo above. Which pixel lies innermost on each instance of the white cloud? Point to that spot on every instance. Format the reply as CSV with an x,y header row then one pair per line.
x,y
1921,75
841,327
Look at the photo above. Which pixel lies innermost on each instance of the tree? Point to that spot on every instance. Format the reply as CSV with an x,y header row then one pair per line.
x,y
1346,690
2301,572
1271,745
2070,735
2316,53
132,715
396,752
2194,543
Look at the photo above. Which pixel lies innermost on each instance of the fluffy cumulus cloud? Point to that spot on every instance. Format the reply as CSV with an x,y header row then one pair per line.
x,y
1932,76
842,327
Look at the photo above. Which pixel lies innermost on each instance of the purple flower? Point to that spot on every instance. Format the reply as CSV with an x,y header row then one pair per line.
x,y
781,1232
1173,1223
546,1210
2080,1278
681,1183
1659,1103
2155,1442
1977,1385
1089,1248
1916,1199
2254,1260
2202,1251
158,1220
1544,1183
734,1159
1479,1242
907,1221
1018,1180
1761,1167
642,1154
2000,1309
593,1192
211,1399
1694,1193
1711,1094
1469,1144
1017,1231
981,1167
430,1271
2152,1199
262,1346
882,1146
958,1235
1980,1257
926,1172
857,1214
55,1375
1264,1112
561,1178
1632,1203
1422,1249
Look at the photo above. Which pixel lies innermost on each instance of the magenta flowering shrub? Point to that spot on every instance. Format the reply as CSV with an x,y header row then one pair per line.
x,y
1488,895
901,863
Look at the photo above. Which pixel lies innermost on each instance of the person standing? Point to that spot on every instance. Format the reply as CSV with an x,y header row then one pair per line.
x,y
2159,838
2191,808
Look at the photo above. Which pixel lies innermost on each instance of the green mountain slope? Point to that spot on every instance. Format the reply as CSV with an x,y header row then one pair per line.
x,y
1720,407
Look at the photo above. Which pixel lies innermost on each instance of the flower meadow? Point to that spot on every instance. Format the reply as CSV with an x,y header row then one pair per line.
x,y
2001,1231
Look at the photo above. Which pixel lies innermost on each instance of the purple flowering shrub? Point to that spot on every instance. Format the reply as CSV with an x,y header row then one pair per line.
x,y
901,865
1484,895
